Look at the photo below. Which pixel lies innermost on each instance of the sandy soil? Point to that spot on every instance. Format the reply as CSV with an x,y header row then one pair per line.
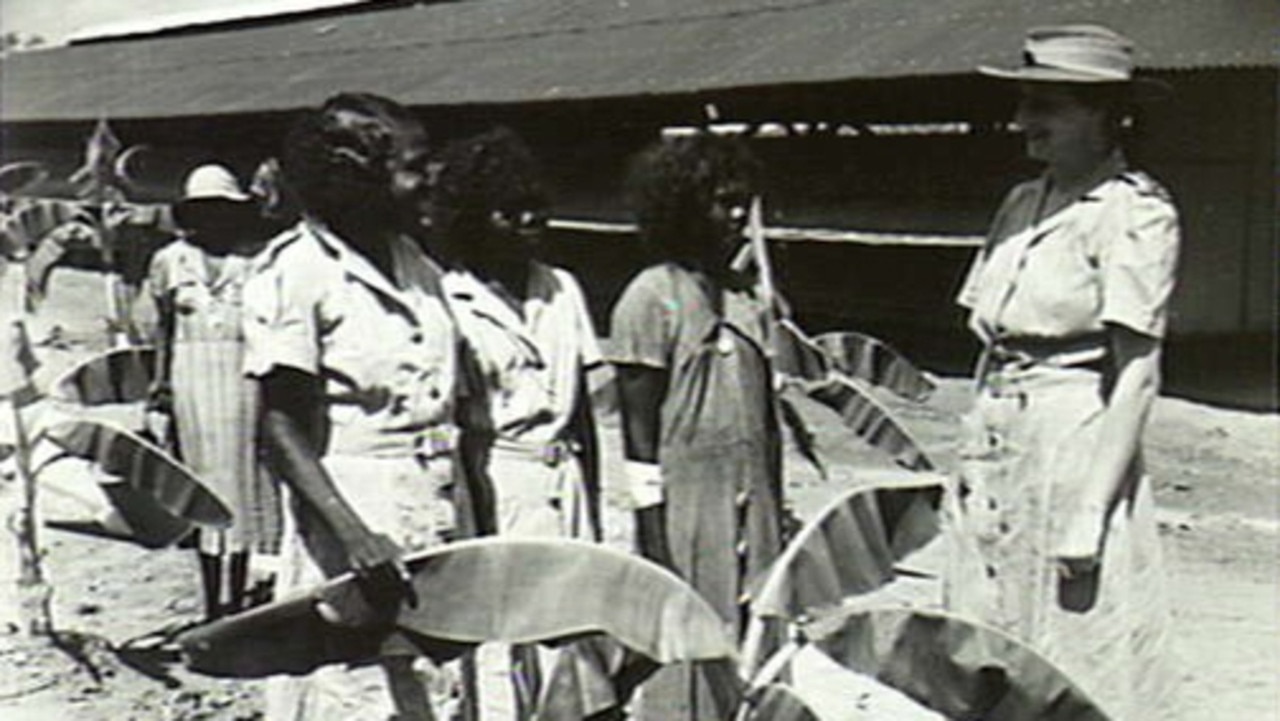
x,y
1216,480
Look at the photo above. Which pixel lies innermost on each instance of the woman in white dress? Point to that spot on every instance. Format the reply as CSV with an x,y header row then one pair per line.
x,y
1057,541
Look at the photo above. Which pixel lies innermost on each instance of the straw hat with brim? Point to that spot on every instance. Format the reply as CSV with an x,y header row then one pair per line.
x,y
208,187
1086,54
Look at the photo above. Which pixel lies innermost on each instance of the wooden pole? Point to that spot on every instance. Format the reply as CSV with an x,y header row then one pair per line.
x,y
764,264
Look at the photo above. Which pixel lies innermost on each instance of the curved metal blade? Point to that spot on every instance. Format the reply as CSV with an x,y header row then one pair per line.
x,y
157,495
471,592
850,547
955,666
868,419
122,375
872,360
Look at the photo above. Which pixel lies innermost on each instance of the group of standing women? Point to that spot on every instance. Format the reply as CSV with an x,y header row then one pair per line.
x,y
419,373
413,372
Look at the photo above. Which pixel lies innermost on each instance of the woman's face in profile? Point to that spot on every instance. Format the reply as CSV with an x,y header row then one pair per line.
x,y
1057,126
727,220
408,177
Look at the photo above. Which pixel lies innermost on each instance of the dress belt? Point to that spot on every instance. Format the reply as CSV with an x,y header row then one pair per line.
x,y
1087,350
551,453
435,441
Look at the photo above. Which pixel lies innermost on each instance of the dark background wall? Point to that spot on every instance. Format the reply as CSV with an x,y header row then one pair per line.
x,y
1213,144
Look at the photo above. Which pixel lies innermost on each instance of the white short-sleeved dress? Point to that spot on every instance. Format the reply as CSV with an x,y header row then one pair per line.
x,y
386,350
531,363
1041,294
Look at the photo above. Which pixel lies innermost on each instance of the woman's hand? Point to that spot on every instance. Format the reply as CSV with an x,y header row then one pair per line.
x,y
382,581
379,564
371,554
159,397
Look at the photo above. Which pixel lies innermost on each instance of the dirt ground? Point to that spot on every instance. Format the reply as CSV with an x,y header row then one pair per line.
x,y
1215,474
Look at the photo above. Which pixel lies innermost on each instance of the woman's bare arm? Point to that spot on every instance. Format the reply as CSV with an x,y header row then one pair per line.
x,y
641,391
1135,362
582,430
289,399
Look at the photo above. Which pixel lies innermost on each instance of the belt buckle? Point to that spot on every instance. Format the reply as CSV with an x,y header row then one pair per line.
x,y
995,382
555,453
996,378
436,441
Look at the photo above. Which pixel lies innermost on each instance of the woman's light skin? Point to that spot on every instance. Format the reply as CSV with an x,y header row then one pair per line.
x,y
1073,138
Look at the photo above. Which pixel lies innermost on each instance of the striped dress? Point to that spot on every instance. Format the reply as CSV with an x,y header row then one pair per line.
x,y
214,406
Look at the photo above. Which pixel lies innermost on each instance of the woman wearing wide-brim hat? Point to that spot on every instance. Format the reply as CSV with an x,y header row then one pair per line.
x,y
197,281
1056,538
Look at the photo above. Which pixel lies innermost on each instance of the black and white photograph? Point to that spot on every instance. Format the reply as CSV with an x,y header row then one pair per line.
x,y
651,360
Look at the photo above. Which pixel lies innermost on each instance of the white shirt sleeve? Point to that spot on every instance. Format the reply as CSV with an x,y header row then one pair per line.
x,y
1138,261
280,321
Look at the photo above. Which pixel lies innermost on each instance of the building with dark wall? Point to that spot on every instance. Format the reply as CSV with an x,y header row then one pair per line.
x,y
886,153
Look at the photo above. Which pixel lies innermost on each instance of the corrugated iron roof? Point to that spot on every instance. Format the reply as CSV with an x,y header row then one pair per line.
x,y
511,51
226,14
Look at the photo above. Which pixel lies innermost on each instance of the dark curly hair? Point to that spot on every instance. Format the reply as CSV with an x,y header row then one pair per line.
x,y
492,171
335,158
672,185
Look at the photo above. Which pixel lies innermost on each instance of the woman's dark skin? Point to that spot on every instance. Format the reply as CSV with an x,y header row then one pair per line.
x,y
291,399
220,228
643,389
499,254
491,209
